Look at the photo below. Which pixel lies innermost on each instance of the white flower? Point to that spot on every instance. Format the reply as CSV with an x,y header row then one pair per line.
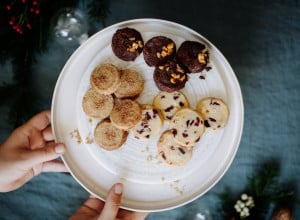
x,y
244,196
244,205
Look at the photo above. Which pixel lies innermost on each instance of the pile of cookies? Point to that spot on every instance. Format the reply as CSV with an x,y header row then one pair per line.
x,y
171,66
111,101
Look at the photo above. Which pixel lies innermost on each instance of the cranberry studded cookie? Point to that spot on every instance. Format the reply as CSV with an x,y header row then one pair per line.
x,y
170,76
170,103
150,124
97,105
127,44
105,78
158,50
214,112
193,55
109,137
187,126
132,84
126,114
170,152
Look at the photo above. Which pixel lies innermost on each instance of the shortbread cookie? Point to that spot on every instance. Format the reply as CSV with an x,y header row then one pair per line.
x,y
187,126
170,152
108,136
105,78
97,105
170,103
132,84
170,76
158,50
214,112
127,44
150,125
126,114
193,55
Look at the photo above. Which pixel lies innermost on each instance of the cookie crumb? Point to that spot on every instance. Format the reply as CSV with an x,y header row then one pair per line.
x,y
89,139
76,135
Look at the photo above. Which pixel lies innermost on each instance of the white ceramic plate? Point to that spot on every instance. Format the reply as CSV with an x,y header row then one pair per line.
x,y
149,185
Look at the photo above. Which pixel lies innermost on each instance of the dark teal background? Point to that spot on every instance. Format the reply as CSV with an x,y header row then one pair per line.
x,y
260,39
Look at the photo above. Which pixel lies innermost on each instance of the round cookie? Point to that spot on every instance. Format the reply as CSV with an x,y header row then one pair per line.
x,y
105,78
170,76
169,103
127,44
97,105
132,84
214,112
187,126
149,126
108,136
193,55
158,50
126,114
170,152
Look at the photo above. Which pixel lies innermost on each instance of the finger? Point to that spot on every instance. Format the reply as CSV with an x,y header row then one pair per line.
x,y
112,203
47,134
41,120
126,214
91,208
54,166
50,152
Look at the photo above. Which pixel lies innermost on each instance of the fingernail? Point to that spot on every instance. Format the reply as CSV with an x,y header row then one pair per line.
x,y
59,149
119,188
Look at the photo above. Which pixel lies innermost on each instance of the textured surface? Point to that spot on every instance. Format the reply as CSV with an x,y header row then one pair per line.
x,y
260,39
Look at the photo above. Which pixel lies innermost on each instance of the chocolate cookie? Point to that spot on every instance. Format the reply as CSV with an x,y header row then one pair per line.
x,y
193,55
170,76
127,44
158,50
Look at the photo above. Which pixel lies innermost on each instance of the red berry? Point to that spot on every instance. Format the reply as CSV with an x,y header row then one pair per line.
x,y
8,7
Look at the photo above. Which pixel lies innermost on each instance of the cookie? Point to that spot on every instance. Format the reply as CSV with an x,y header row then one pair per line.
x,y
170,152
126,114
158,50
150,125
193,55
169,103
132,84
170,76
127,44
108,136
214,112
105,78
187,126
97,105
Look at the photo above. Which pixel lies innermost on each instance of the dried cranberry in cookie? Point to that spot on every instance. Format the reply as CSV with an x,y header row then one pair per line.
x,y
214,112
187,126
158,50
150,125
170,76
170,103
193,55
127,44
170,152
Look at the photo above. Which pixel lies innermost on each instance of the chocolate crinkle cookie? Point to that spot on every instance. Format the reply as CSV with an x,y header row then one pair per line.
x,y
158,50
193,55
127,44
170,76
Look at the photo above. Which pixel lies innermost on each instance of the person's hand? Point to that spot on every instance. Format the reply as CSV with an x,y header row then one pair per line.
x,y
96,209
28,151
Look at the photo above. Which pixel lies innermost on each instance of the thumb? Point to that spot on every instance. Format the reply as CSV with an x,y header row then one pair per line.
x,y
49,152
112,203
